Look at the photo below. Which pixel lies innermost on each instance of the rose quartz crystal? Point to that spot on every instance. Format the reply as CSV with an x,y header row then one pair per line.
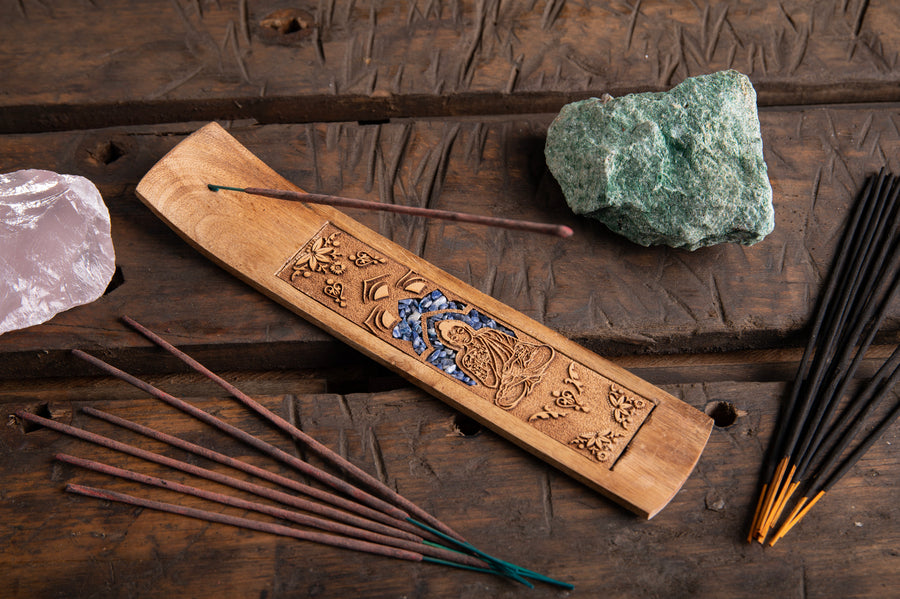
x,y
55,247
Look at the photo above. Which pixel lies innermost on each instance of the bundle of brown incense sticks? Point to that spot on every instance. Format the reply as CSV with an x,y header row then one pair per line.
x,y
824,428
363,515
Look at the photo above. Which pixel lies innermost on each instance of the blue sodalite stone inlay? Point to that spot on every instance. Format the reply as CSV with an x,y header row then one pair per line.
x,y
435,307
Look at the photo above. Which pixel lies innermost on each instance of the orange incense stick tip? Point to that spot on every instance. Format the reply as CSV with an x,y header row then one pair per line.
x,y
778,504
791,522
788,523
771,494
756,514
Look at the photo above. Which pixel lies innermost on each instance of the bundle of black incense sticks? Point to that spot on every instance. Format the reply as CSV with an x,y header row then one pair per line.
x,y
821,433
371,518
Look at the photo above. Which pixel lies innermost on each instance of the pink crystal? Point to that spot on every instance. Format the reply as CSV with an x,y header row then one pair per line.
x,y
55,248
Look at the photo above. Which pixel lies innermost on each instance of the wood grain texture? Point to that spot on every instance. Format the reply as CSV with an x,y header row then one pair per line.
x,y
499,497
354,96
68,65
605,293
255,238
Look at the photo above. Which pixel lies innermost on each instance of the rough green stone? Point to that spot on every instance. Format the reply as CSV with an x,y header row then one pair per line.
x,y
683,168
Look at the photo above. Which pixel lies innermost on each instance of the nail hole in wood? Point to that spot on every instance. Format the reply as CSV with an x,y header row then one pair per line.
x,y
288,20
106,152
723,413
43,411
466,426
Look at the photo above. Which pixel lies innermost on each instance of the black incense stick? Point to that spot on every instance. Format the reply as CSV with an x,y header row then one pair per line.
x,y
821,323
859,290
862,448
835,392
784,484
819,489
841,435
868,313
845,428
330,200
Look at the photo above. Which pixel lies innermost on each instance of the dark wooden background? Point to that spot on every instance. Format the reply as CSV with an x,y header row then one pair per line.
x,y
443,104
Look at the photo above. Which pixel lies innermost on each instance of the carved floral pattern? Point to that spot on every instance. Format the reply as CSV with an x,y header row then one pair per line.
x,y
566,399
335,291
362,259
624,407
599,445
319,255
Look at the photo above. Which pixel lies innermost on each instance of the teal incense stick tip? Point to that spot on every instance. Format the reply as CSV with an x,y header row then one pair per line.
x,y
212,187
499,566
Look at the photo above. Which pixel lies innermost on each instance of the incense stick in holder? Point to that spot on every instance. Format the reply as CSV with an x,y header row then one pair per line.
x,y
366,291
462,217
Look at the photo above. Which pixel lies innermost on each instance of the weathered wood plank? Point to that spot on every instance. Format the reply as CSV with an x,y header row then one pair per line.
x,y
608,294
68,65
496,495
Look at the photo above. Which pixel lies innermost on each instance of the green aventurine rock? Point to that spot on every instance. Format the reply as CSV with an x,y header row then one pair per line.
x,y
683,168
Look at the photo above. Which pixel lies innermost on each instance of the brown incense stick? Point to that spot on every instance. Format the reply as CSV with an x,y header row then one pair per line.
x,y
289,483
284,457
335,459
281,530
277,529
283,498
435,554
330,200
295,517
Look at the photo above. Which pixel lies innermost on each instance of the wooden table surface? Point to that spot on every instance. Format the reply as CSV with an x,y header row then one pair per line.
x,y
442,104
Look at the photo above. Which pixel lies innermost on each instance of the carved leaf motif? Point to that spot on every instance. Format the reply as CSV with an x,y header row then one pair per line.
x,y
567,399
547,414
574,379
598,444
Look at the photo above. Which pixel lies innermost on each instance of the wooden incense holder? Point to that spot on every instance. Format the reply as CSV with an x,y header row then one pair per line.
x,y
598,423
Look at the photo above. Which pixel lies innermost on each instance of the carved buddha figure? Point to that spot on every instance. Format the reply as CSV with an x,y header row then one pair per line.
x,y
499,361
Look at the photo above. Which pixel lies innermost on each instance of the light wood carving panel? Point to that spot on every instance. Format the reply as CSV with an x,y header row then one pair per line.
x,y
597,422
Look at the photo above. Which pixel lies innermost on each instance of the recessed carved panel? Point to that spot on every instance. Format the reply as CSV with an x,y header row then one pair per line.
x,y
569,402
